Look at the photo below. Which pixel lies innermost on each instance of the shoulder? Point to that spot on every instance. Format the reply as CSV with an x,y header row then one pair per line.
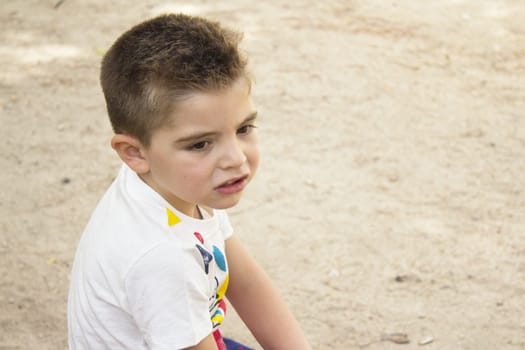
x,y
167,260
224,223
167,274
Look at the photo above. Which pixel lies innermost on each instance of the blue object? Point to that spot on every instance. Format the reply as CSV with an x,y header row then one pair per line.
x,y
206,258
233,345
219,258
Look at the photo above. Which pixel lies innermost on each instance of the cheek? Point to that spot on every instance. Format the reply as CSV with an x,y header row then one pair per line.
x,y
195,170
253,156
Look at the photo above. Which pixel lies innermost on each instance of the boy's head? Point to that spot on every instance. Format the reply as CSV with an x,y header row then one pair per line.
x,y
160,61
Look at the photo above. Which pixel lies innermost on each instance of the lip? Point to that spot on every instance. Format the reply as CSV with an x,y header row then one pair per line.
x,y
233,185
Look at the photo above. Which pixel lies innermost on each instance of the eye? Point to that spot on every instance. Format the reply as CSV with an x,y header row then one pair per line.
x,y
199,146
245,129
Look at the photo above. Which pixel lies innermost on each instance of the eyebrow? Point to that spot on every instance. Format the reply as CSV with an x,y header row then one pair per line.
x,y
250,118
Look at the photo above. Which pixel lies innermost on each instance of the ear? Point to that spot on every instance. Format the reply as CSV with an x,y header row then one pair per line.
x,y
131,151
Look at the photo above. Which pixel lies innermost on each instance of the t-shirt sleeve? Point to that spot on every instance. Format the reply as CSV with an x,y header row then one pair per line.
x,y
168,297
224,224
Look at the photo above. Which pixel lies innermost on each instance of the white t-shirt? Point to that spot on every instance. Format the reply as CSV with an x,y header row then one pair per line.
x,y
146,276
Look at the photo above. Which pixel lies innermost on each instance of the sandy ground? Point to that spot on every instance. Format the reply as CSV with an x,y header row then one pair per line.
x,y
391,196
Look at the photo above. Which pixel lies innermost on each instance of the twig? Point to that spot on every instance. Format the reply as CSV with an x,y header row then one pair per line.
x,y
59,3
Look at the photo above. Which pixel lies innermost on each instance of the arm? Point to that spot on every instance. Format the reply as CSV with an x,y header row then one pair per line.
x,y
207,343
252,294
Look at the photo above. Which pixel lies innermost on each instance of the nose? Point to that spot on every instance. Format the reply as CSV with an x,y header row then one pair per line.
x,y
233,155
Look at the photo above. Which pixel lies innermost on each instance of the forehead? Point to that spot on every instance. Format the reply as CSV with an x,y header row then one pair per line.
x,y
232,101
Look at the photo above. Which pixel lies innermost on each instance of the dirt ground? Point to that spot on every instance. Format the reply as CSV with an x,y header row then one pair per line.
x,y
391,195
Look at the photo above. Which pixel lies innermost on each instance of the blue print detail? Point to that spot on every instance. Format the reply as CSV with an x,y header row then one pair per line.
x,y
206,258
219,258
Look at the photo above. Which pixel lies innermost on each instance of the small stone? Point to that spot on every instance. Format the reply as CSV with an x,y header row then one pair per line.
x,y
400,278
393,178
426,340
310,183
398,338
334,273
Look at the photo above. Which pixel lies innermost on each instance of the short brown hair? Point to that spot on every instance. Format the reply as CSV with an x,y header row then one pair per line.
x,y
160,60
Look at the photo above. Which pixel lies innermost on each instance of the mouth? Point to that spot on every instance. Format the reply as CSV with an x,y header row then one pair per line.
x,y
233,185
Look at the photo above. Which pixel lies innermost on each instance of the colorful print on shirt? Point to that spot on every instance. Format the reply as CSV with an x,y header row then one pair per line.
x,y
217,305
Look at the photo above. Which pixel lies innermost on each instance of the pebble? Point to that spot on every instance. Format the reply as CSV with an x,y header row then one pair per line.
x,y
426,341
398,338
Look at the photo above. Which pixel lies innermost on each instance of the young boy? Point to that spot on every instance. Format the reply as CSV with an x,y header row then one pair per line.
x,y
158,256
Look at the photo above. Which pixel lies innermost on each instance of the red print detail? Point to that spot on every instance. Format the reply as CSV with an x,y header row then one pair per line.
x,y
218,340
222,306
199,237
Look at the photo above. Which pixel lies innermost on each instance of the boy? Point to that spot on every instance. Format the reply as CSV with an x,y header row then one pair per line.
x,y
158,256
